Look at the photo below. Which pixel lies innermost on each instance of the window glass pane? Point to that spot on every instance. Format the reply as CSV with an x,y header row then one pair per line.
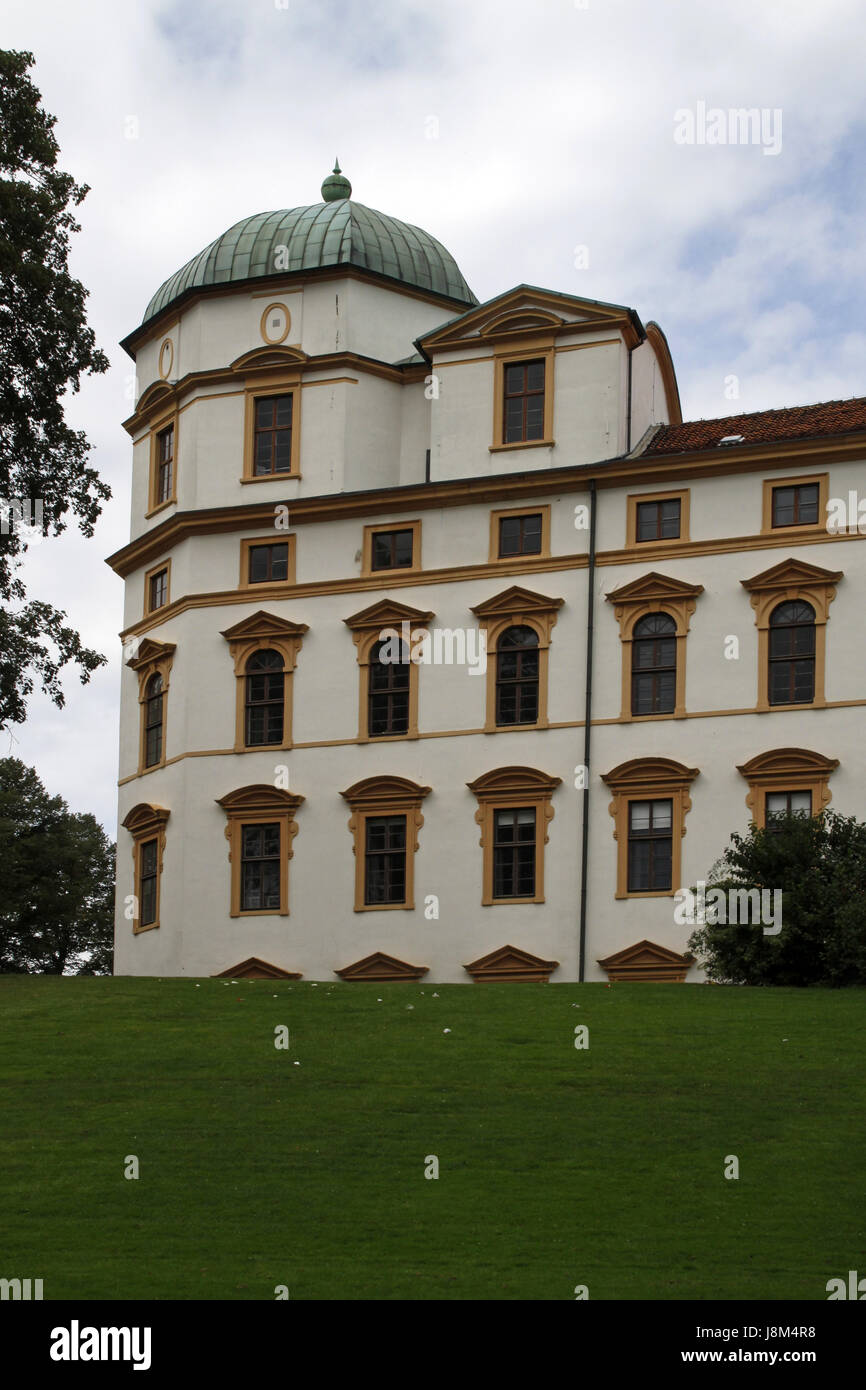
x,y
661,815
535,376
280,561
639,815
509,535
258,564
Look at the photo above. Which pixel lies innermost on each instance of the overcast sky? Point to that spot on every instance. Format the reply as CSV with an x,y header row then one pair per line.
x,y
515,133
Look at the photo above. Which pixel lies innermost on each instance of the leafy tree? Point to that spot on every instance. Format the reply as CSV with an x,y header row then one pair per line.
x,y
820,865
45,348
57,903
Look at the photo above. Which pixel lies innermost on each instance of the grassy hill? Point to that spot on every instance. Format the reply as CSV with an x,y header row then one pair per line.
x,y
305,1167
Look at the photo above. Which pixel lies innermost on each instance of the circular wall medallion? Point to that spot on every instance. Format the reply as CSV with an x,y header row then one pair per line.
x,y
166,358
275,324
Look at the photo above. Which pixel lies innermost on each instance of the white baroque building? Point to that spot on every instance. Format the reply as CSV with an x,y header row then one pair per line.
x,y
626,635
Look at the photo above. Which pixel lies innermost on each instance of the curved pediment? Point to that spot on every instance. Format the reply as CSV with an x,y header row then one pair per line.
x,y
259,796
787,763
520,321
658,773
145,818
513,781
158,393
372,792
269,359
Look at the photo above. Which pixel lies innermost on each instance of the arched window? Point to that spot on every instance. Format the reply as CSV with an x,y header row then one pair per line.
x,y
517,676
388,691
791,677
654,665
154,696
265,698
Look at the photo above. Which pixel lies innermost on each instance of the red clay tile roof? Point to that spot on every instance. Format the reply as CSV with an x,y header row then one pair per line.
x,y
762,427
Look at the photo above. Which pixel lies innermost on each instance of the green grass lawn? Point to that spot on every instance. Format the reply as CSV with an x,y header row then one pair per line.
x,y
557,1167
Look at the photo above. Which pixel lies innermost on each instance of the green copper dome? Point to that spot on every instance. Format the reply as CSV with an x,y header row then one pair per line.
x,y
334,232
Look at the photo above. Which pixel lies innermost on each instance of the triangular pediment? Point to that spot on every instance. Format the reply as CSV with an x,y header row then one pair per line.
x,y
511,963
255,969
791,573
147,651
514,601
527,311
645,953
654,588
648,962
386,612
381,967
260,626
786,763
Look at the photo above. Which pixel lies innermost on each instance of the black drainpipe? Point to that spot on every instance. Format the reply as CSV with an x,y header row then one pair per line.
x,y
587,729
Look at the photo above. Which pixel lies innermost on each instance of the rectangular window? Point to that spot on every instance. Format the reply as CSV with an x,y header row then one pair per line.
x,y
158,590
796,505
164,464
147,870
514,853
659,521
391,550
272,442
520,535
269,563
523,402
650,846
260,867
782,804
385,860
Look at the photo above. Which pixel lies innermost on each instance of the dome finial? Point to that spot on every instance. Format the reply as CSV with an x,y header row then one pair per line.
x,y
336,185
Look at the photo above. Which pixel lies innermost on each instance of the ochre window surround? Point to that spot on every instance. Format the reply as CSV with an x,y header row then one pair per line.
x,y
384,796
633,500
649,779
148,576
787,770
821,480
146,823
513,351
151,659
367,547
260,804
168,419
654,593
513,788
789,580
259,632
517,607
252,542
284,382
496,516
367,628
